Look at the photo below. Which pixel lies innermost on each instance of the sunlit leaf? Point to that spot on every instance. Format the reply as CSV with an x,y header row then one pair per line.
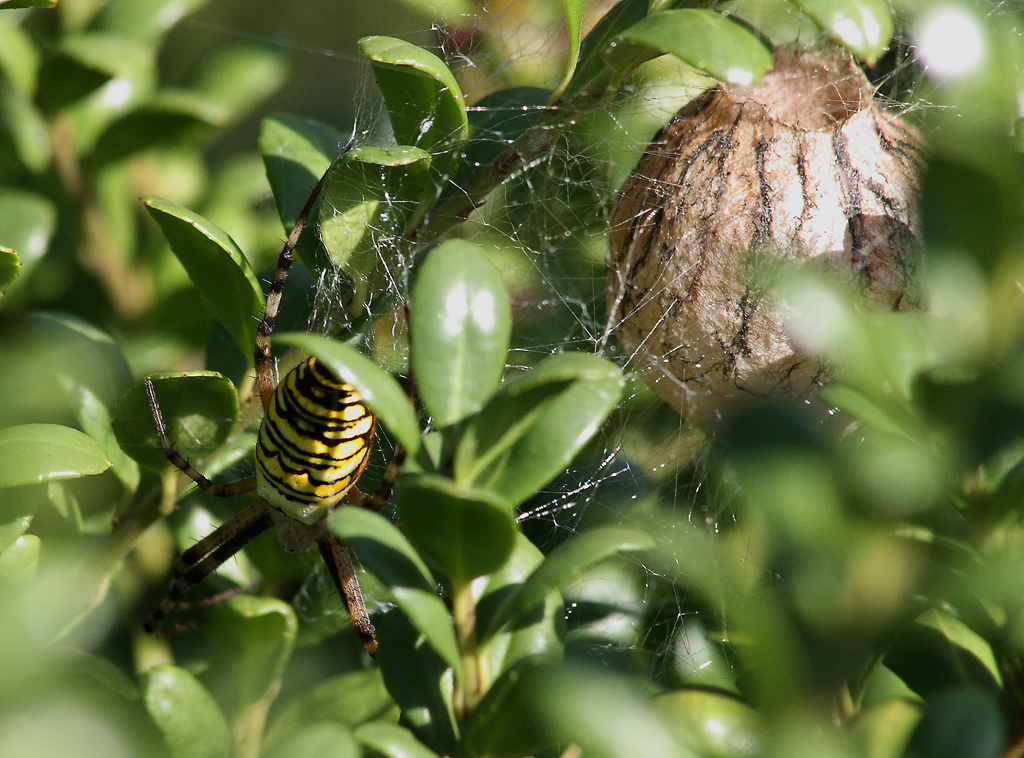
x,y
427,612
864,26
381,548
711,724
392,741
34,453
325,740
10,265
186,714
574,10
591,63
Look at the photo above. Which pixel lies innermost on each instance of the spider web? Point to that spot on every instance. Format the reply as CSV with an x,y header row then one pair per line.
x,y
546,231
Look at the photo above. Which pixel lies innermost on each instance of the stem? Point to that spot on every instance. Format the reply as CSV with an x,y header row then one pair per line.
x,y
467,692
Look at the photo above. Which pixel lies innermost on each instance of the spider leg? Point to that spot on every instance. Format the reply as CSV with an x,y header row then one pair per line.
x,y
203,558
177,459
261,355
339,564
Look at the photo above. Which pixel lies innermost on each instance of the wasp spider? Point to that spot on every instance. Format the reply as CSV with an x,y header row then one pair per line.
x,y
313,444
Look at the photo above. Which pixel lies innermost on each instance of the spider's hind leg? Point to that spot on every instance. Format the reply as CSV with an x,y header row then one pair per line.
x,y
339,565
203,558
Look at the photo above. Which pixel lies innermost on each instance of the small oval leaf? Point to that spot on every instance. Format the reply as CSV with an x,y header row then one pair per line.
x,y
381,548
392,741
18,562
863,26
427,612
460,323
34,453
381,392
327,740
711,724
185,713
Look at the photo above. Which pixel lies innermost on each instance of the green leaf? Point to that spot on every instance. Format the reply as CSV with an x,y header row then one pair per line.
x,y
93,374
959,723
10,265
18,506
86,62
351,699
463,531
864,26
146,20
574,11
460,323
536,424
26,127
704,39
423,98
34,453
392,741
428,614
325,740
370,198
18,562
241,77
253,637
711,724
566,563
216,267
623,15
185,713
19,58
27,223
965,638
199,409
382,393
443,11
381,548
10,4
884,730
417,677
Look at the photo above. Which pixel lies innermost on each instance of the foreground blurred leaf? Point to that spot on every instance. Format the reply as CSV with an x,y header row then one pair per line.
x,y
884,730
18,561
34,453
392,741
216,266
26,129
460,323
185,713
27,223
145,19
711,724
239,78
318,741
864,26
199,409
19,58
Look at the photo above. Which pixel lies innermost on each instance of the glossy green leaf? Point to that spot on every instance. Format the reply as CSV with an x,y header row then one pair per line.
x,y
145,19
961,635
423,98
464,532
26,128
83,63
711,724
536,424
10,265
537,634
382,393
185,713
381,548
351,699
297,152
566,563
199,409
460,323
574,11
19,57
623,15
959,723
884,730
325,740
34,453
417,677
392,741
18,561
102,671
241,77
704,39
427,612
370,198
93,374
864,26
27,223
253,638
216,266
18,506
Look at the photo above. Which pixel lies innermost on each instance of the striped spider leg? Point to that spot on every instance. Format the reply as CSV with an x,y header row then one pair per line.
x,y
313,444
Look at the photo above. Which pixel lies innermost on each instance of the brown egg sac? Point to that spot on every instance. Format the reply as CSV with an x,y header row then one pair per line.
x,y
803,166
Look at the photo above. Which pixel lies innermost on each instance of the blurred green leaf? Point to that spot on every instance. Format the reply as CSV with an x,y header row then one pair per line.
x,y
566,563
10,265
379,390
536,424
864,26
93,374
351,699
711,724
26,128
392,741
325,740
416,676
42,452
18,561
460,323
9,4
370,198
85,62
18,506
574,12
704,39
19,58
963,637
464,532
884,730
427,612
216,266
239,78
199,409
959,723
381,548
185,713
27,223
623,15
443,11
146,20
424,100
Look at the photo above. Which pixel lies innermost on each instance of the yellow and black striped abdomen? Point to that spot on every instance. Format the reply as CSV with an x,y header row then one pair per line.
x,y
313,443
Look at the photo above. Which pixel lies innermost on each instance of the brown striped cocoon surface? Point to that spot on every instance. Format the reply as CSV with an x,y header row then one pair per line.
x,y
804,166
